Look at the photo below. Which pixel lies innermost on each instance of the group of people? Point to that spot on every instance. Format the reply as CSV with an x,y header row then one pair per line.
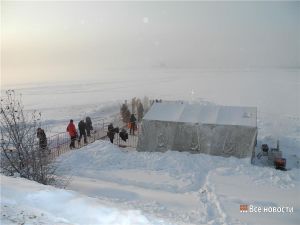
x,y
84,127
111,131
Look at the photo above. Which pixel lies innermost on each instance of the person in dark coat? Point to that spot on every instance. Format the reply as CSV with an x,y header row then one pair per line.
x,y
111,133
71,129
89,126
140,111
82,129
123,135
40,133
132,124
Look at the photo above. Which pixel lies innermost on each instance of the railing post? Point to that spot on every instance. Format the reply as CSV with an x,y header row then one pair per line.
x,y
64,144
57,144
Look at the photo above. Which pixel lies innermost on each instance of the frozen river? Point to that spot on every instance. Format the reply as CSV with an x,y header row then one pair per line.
x,y
276,94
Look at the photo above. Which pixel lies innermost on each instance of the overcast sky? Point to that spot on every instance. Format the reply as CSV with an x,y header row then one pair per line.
x,y
44,41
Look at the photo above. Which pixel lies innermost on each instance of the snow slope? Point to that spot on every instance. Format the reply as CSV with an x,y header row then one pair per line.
x,y
181,187
27,202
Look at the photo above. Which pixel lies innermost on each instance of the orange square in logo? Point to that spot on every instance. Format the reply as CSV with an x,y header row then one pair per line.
x,y
243,208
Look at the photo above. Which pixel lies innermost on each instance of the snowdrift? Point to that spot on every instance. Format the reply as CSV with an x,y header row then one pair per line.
x,y
27,202
181,187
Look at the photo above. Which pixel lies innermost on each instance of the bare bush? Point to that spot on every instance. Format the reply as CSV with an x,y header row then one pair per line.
x,y
20,154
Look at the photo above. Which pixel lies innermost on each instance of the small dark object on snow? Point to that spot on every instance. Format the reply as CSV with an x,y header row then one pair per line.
x,y
264,147
280,163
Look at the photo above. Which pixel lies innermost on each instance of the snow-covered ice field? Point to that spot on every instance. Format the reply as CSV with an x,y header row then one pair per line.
x,y
171,187
274,92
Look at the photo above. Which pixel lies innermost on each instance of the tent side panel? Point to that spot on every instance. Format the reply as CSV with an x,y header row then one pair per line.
x,y
192,138
221,140
156,136
235,141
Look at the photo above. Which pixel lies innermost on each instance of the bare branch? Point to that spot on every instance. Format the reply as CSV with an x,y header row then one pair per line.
x,y
20,153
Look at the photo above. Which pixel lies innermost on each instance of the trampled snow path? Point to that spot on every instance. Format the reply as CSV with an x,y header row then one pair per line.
x,y
209,199
180,187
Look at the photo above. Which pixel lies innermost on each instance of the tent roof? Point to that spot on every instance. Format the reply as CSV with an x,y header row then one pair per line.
x,y
174,111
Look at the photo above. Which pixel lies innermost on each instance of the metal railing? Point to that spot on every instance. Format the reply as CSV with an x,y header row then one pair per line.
x,y
60,143
130,142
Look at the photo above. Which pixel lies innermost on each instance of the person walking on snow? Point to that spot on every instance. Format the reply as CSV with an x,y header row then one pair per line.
x,y
132,124
40,133
111,132
89,126
82,129
71,129
140,111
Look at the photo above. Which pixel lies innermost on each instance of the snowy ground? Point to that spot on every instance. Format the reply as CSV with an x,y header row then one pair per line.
x,y
110,185
179,188
182,188
27,202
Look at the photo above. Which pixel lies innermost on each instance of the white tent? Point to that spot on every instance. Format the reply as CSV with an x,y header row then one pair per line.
x,y
193,127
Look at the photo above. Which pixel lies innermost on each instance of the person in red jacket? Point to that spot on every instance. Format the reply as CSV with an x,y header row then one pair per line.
x,y
73,133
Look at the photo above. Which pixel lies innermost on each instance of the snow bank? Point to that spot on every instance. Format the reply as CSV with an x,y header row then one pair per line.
x,y
24,201
181,187
101,156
